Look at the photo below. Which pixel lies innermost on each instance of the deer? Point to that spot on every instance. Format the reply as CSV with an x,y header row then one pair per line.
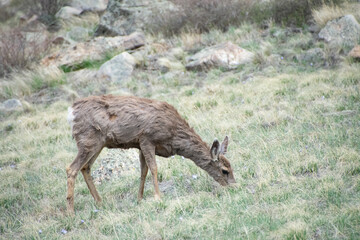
x,y
154,127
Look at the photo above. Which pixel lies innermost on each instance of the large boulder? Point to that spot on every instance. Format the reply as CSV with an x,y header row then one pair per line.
x,y
123,17
118,69
344,31
225,55
94,49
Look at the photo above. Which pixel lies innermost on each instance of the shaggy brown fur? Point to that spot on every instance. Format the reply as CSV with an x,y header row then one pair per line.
x,y
151,126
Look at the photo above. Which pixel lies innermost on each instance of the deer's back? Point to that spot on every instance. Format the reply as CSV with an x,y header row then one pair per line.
x,y
121,121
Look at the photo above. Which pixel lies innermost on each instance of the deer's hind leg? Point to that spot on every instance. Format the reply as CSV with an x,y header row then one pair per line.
x,y
148,150
86,172
85,154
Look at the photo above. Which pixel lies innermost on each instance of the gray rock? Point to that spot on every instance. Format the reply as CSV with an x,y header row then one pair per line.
x,y
90,5
93,50
68,12
78,34
11,105
315,56
165,65
140,57
118,69
123,17
344,31
225,55
5,3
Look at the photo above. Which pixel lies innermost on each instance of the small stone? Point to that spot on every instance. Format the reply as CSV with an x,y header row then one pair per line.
x,y
89,5
315,56
78,34
12,104
165,65
225,55
67,12
355,52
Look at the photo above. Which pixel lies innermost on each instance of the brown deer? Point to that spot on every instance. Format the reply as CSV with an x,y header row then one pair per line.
x,y
153,127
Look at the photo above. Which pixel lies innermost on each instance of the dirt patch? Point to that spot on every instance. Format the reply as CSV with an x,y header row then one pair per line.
x,y
117,163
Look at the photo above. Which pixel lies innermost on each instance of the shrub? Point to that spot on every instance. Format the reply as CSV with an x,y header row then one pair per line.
x,y
17,50
200,16
296,12
46,10
203,15
5,13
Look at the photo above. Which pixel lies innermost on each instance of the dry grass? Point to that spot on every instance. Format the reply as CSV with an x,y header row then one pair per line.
x,y
26,82
190,40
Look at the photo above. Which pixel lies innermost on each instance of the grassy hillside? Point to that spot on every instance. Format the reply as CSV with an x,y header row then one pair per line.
x,y
294,129
294,149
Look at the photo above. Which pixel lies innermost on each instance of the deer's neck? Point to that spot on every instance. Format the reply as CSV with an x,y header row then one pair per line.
x,y
191,146
195,149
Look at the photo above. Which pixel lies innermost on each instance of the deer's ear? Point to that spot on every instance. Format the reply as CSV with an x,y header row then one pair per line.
x,y
224,145
215,150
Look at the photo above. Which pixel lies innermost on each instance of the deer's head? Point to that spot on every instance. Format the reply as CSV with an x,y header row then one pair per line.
x,y
225,174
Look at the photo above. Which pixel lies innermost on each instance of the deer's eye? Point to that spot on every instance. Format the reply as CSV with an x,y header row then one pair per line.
x,y
225,171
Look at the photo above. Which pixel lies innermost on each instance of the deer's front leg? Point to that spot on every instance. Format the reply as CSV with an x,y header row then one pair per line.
x,y
148,150
144,171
